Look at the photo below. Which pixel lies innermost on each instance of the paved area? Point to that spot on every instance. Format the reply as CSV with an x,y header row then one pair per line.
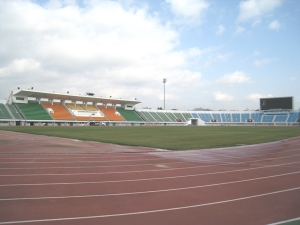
x,y
48,180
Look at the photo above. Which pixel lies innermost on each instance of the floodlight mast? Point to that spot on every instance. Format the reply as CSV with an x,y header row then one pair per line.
x,y
165,81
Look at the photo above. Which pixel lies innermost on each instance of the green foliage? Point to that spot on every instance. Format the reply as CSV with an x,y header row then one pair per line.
x,y
172,138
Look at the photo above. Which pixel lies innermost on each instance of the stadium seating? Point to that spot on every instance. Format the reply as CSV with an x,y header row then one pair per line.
x,y
293,117
280,118
58,111
257,117
226,117
146,116
171,116
206,117
267,118
86,112
195,115
111,113
129,115
74,106
187,116
164,117
89,107
217,116
156,117
4,114
14,111
179,117
236,117
33,111
245,117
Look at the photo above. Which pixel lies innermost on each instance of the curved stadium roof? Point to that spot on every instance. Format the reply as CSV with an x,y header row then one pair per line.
x,y
68,97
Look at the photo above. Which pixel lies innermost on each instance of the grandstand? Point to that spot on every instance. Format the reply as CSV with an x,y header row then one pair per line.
x,y
30,107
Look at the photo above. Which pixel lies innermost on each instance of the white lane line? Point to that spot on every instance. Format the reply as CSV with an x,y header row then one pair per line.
x,y
89,156
138,171
129,165
156,155
151,211
286,221
105,161
131,156
235,150
88,167
147,179
191,152
153,191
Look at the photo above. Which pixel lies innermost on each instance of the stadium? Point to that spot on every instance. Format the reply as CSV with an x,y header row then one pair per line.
x,y
37,108
57,167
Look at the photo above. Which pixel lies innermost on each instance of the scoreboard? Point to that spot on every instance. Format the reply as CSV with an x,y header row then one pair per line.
x,y
276,103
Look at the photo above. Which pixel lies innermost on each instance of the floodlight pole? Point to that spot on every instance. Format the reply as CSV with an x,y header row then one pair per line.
x,y
165,81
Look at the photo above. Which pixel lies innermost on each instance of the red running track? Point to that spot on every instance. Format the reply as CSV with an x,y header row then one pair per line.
x,y
48,180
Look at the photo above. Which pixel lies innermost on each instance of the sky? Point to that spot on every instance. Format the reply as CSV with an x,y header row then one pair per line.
x,y
214,54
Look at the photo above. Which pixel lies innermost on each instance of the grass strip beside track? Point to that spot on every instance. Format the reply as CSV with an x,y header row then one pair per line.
x,y
171,138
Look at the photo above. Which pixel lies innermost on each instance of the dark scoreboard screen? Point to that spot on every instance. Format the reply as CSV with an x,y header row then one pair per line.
x,y
276,103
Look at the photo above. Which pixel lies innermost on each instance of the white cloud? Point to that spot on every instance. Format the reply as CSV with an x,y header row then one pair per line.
x,y
20,66
220,30
255,9
236,77
294,78
104,48
256,52
274,25
263,62
222,97
239,30
223,57
256,96
188,11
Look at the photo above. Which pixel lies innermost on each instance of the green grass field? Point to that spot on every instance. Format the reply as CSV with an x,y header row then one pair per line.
x,y
171,138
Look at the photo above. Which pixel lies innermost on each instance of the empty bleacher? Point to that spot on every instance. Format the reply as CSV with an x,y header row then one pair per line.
x,y
58,111
195,115
280,118
293,117
85,112
206,117
164,117
179,117
74,106
156,117
14,111
147,116
111,113
245,117
171,116
217,117
129,115
33,111
89,107
4,114
267,118
236,117
187,116
257,117
226,118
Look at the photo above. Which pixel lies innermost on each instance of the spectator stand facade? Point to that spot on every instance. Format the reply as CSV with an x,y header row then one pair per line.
x,y
36,108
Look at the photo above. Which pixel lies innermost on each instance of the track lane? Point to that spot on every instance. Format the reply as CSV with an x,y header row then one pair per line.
x,y
152,194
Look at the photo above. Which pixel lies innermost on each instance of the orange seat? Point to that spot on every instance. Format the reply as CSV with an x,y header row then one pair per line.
x,y
59,111
111,113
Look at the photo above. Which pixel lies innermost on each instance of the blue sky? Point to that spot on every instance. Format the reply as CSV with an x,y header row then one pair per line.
x,y
215,54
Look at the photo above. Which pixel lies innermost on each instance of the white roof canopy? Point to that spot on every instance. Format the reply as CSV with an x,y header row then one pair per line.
x,y
74,98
